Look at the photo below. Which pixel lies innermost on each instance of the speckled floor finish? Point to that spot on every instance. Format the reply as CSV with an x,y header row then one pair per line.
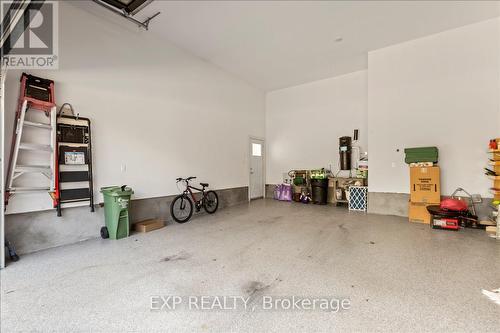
x,y
398,276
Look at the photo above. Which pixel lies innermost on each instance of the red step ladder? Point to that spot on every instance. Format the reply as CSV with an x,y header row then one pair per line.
x,y
36,95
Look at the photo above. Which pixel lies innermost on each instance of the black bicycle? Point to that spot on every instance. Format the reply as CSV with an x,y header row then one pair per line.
x,y
181,208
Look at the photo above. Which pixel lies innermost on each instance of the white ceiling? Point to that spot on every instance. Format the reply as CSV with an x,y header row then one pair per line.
x,y
276,44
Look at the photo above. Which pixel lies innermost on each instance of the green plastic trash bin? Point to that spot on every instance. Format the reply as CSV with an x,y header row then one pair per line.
x,y
116,203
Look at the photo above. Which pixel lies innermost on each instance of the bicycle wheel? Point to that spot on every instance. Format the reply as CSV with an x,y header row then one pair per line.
x,y
211,202
181,209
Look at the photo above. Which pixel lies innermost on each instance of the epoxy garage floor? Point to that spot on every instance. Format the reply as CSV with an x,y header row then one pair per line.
x,y
397,276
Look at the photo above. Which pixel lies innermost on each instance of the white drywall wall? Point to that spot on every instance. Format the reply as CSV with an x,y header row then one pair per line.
x,y
156,109
304,123
441,90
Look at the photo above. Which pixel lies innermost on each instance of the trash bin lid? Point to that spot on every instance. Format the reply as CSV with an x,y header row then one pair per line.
x,y
109,188
117,190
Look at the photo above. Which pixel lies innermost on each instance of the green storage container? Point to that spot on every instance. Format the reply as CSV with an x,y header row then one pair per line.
x,y
116,204
421,154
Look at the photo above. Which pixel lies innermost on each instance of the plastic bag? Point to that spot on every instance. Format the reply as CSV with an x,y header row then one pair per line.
x,y
285,192
277,191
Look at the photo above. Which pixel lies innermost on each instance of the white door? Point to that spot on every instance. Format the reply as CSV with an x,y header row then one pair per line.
x,y
256,168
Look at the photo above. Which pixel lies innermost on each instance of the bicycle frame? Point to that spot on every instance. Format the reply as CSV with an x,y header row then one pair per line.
x,y
189,189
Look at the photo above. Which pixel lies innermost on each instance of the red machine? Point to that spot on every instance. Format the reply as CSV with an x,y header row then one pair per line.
x,y
454,213
451,219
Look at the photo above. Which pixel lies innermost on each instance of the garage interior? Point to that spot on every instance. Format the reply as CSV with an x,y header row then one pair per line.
x,y
167,156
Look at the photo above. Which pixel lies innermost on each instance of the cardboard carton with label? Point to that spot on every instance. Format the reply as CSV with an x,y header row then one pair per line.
x,y
425,190
425,184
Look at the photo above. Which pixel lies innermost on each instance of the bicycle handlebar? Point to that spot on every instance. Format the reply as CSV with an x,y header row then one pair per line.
x,y
186,179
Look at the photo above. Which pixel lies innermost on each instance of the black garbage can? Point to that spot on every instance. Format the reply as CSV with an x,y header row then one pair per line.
x,y
319,189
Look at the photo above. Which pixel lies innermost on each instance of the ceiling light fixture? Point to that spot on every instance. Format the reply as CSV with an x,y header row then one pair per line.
x,y
338,39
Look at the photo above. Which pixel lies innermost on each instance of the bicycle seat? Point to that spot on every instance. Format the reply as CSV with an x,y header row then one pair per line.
x,y
204,184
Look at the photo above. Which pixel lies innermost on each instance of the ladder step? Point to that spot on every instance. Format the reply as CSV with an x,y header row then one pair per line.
x,y
75,194
34,146
32,168
28,189
73,176
38,125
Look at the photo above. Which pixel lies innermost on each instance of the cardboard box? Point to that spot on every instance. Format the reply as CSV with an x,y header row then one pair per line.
x,y
417,212
148,225
425,184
